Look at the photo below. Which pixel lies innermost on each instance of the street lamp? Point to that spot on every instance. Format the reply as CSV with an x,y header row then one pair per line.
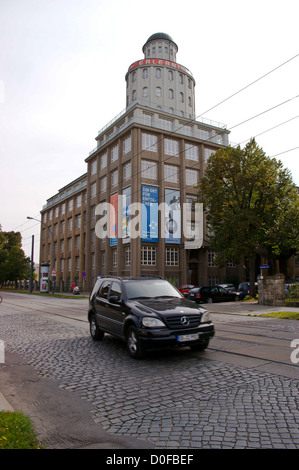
x,y
41,222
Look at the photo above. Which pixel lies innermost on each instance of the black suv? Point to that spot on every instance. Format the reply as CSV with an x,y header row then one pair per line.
x,y
148,313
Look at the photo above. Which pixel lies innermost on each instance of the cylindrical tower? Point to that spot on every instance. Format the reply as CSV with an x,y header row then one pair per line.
x,y
158,81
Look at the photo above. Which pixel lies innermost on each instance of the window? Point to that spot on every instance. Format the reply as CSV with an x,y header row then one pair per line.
x,y
171,257
70,205
211,259
148,169
171,147
133,95
115,290
158,73
133,76
171,174
171,94
145,73
62,265
63,209
114,257
149,142
77,263
56,212
182,97
127,145
148,256
78,220
158,91
127,171
191,177
166,124
208,153
231,264
93,189
94,167
145,92
104,184
114,178
181,79
114,154
69,264
170,74
128,256
78,201
191,152
103,161
104,290
69,223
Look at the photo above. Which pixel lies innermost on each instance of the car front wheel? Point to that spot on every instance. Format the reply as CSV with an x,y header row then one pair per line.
x,y
134,346
95,332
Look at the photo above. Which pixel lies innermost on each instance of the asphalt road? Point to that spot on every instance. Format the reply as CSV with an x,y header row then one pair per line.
x,y
242,392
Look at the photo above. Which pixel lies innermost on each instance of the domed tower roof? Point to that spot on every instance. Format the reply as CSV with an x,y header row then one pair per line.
x,y
157,36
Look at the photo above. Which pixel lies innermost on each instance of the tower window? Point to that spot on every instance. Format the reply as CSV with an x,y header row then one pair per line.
x,y
145,73
158,91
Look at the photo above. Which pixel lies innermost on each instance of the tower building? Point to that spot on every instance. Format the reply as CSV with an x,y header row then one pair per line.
x,y
131,212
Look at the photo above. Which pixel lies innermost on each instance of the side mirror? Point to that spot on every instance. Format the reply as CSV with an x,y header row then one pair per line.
x,y
114,299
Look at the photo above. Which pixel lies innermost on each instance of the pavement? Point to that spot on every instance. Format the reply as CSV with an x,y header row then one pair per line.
x,y
80,421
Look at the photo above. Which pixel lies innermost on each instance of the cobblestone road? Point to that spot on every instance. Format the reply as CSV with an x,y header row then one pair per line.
x,y
174,400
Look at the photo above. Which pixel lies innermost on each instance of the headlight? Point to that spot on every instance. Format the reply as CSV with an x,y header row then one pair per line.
x,y
152,322
206,317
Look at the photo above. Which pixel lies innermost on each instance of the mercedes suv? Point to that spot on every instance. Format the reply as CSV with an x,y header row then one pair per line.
x,y
147,313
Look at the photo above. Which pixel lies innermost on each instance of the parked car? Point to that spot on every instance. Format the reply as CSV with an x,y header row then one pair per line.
x,y
229,287
184,289
211,294
244,289
148,314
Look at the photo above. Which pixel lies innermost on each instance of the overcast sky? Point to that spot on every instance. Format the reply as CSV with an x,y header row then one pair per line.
x,y
62,78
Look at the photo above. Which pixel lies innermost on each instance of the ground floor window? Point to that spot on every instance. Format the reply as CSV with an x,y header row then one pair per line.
x,y
148,256
171,257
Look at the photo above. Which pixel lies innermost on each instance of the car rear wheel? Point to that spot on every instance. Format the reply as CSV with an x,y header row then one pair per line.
x,y
95,332
134,346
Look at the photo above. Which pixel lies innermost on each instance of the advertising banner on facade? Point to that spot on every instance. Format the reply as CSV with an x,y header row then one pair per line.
x,y
113,219
149,216
172,216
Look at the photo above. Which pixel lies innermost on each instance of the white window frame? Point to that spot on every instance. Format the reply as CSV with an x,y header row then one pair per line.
x,y
171,173
149,169
148,255
191,152
171,256
191,177
171,147
149,142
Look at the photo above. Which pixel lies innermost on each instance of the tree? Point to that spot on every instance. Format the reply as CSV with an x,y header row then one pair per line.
x,y
14,265
250,202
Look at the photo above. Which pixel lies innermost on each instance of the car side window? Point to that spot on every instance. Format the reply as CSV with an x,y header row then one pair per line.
x,y
222,290
104,289
115,290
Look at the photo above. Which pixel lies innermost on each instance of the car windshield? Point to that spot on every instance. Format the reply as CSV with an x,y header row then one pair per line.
x,y
148,289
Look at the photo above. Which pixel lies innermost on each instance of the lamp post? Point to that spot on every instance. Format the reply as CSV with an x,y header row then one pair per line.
x,y
53,256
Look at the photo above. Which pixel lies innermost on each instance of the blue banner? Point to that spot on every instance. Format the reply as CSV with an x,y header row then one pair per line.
x,y
149,217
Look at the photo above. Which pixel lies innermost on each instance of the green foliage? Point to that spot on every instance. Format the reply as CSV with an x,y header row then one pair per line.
x,y
14,265
250,201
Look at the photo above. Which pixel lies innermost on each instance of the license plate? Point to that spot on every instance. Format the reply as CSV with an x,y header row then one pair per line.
x,y
191,337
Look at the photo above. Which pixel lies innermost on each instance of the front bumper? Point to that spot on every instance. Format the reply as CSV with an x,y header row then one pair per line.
x,y
166,338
